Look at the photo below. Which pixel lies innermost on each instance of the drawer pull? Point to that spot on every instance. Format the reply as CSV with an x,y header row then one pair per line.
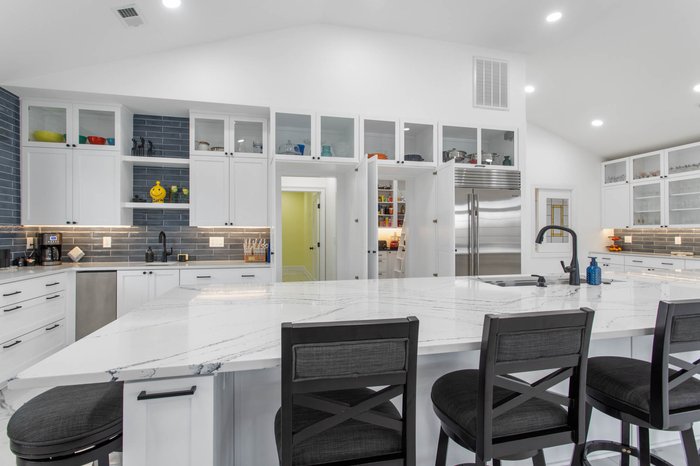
x,y
203,276
53,284
666,263
53,297
252,275
605,259
11,294
637,262
17,342
12,309
153,396
52,327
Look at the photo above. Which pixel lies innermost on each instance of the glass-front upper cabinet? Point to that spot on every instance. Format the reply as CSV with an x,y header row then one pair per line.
x,y
683,159
684,202
459,143
338,137
247,136
615,172
646,204
498,147
47,124
208,134
293,133
380,139
646,166
419,142
97,126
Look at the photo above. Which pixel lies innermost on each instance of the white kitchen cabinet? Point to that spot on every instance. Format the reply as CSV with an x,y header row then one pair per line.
x,y
646,167
300,136
338,138
74,125
445,218
647,203
25,350
198,277
692,264
419,143
228,191
372,219
70,187
682,201
652,263
615,206
137,287
615,172
224,135
381,136
387,264
293,135
179,422
683,160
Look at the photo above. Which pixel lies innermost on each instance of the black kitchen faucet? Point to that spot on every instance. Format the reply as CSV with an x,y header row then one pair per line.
x,y
164,256
572,269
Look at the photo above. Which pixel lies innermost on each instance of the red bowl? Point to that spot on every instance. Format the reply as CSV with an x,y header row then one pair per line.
x,y
97,140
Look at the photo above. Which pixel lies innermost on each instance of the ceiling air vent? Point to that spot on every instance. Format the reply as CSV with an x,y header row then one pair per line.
x,y
490,83
129,16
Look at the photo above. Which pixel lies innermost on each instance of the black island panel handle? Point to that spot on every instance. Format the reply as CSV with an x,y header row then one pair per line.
x,y
154,396
11,294
12,309
53,297
53,284
17,342
54,326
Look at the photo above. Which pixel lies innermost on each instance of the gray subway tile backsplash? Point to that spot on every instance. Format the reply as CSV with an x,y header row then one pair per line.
x,y
660,240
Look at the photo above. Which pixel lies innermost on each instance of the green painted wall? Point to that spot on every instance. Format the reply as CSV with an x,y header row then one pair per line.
x,y
297,219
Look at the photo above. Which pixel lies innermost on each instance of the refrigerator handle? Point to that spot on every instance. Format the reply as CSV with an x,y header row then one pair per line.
x,y
469,235
476,233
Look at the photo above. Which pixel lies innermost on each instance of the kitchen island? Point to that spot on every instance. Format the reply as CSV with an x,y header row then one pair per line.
x,y
225,339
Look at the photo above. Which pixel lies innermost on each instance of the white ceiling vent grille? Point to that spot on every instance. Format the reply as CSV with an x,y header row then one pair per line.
x,y
129,15
490,83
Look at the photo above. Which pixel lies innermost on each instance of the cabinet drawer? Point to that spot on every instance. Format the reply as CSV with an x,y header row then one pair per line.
x,y
21,352
23,317
610,259
654,263
207,276
692,264
24,290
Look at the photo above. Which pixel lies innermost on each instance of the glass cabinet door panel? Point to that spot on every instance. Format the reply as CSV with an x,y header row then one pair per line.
x,y
380,138
684,202
293,134
646,167
248,137
684,160
418,142
46,124
337,137
209,134
497,147
616,172
96,127
646,201
460,143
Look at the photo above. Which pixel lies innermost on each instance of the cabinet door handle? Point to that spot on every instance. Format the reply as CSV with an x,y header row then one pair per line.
x,y
12,294
153,396
12,309
53,297
203,276
638,262
666,263
54,326
17,342
53,284
252,275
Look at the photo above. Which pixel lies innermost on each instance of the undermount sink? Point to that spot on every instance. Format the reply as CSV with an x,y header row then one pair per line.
x,y
526,280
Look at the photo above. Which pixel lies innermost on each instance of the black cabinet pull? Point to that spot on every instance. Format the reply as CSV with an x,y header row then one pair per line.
x,y
150,273
252,275
153,396
144,272
203,276
53,297
52,327
12,309
12,294
666,263
17,342
53,284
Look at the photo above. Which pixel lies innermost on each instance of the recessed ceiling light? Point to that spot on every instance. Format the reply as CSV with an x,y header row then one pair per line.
x,y
529,89
597,123
696,88
172,3
554,17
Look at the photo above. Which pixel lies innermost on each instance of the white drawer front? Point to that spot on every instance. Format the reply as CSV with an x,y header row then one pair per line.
x,y
609,259
21,352
23,317
654,263
24,290
691,264
207,276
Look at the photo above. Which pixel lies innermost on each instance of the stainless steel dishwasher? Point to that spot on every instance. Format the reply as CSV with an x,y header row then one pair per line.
x,y
95,301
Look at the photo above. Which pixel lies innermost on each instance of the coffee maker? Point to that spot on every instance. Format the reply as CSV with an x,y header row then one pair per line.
x,y
49,248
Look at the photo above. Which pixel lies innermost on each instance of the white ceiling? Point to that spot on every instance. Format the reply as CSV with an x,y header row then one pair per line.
x,y
630,62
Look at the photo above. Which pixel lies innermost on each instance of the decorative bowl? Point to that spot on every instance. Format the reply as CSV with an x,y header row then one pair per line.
x,y
82,139
110,141
96,140
48,136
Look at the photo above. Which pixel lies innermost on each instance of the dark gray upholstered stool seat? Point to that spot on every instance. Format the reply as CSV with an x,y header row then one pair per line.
x,y
625,382
455,394
350,440
65,420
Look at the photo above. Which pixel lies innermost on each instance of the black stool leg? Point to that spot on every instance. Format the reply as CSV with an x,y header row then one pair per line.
x,y
625,440
691,449
577,457
538,459
441,456
496,462
644,448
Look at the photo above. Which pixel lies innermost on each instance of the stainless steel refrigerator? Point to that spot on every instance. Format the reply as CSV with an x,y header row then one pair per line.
x,y
487,221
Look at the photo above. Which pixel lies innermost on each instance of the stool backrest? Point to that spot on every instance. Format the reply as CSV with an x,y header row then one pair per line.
x,y
321,357
550,341
677,331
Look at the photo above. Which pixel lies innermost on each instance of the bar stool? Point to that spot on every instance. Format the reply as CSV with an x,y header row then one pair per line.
x,y
501,417
68,426
650,395
329,415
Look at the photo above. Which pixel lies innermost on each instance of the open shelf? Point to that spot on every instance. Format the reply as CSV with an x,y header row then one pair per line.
x,y
162,162
154,206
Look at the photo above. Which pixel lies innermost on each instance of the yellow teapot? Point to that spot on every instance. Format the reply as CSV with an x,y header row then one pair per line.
x,y
157,193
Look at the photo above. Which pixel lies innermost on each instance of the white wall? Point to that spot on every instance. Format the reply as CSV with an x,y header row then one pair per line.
x,y
555,163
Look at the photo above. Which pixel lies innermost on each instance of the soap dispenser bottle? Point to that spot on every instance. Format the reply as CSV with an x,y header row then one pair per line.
x,y
150,256
593,273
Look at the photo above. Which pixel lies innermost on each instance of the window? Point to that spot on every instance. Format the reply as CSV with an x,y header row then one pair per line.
x,y
553,207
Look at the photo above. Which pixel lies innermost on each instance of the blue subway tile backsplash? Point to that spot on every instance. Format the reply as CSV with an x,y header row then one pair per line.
x,y
9,158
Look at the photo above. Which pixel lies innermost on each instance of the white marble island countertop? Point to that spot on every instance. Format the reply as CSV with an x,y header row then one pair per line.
x,y
237,327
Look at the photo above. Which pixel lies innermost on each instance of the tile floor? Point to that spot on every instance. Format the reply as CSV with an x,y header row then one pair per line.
x,y
10,400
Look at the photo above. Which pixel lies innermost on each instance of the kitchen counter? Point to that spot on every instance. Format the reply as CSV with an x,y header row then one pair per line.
x,y
12,274
644,254
197,331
